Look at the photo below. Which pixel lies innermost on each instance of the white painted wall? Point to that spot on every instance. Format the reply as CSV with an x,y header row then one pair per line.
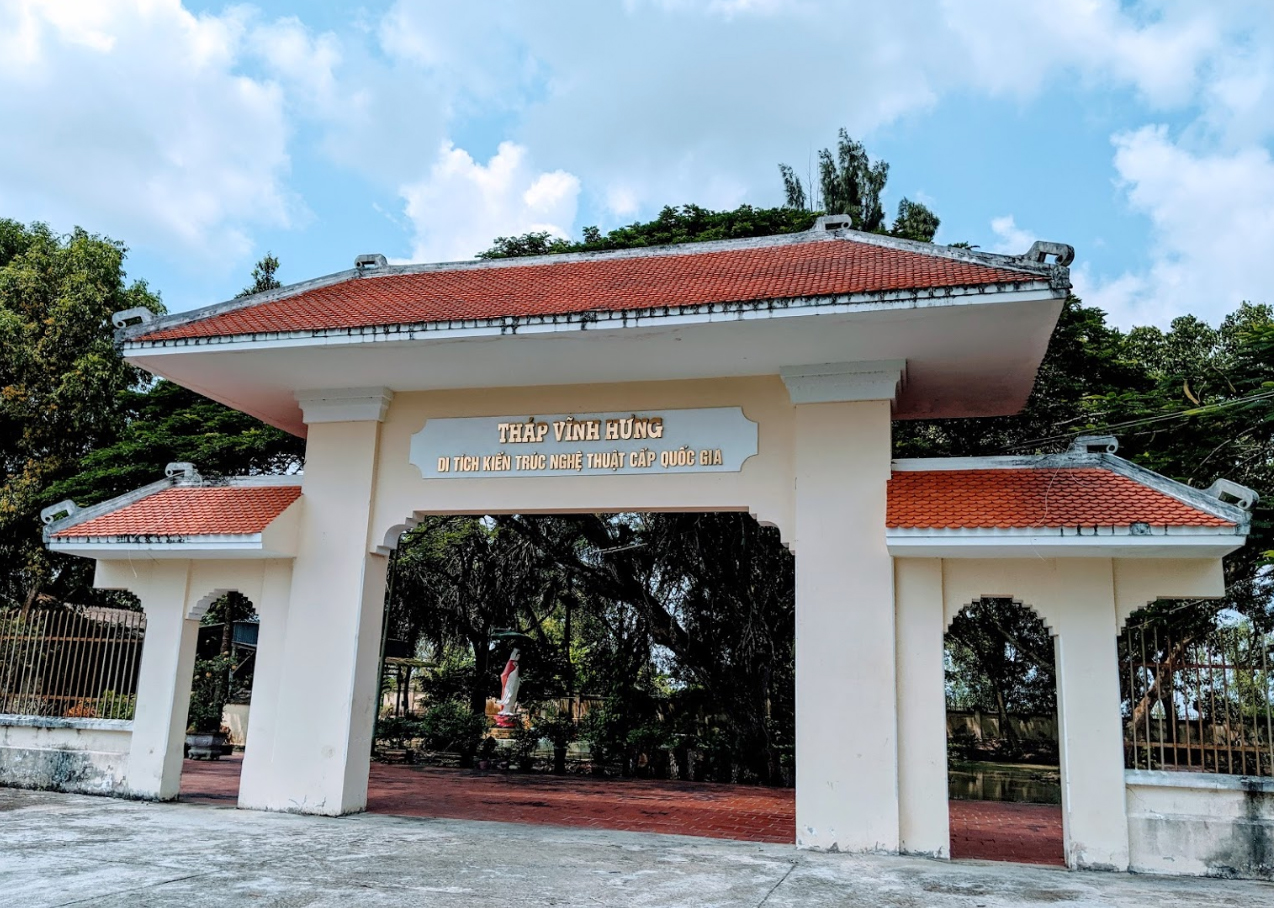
x,y
924,823
88,756
763,486
255,776
846,719
319,748
1084,602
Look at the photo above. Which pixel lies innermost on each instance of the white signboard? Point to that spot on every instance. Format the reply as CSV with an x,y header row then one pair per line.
x,y
713,440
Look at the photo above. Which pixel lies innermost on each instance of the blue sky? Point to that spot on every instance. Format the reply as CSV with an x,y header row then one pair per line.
x,y
204,134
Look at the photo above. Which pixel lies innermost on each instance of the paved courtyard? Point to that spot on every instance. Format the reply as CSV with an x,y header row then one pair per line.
x,y
63,850
987,830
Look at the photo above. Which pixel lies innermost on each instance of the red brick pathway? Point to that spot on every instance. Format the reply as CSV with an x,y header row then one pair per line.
x,y
1007,831
979,829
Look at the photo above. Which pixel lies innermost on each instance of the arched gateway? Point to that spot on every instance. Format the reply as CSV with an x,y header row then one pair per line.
x,y
758,375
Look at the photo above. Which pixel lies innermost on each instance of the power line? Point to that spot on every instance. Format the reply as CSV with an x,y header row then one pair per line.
x,y
1163,417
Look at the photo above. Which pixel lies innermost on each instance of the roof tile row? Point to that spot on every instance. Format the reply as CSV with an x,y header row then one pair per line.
x,y
192,511
933,499
1027,498
821,267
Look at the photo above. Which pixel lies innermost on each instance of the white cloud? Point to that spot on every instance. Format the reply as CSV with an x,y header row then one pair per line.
x,y
621,201
1158,48
306,63
652,102
1212,217
462,205
1010,238
134,121
172,129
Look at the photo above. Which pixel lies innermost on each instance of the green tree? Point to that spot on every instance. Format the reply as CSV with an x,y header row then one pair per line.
x,y
1000,660
165,422
162,422
61,383
793,189
914,222
684,224
457,580
851,183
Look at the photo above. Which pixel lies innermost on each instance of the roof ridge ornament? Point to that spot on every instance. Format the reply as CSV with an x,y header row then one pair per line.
x,y
142,315
828,222
66,508
1041,249
370,260
1085,444
1242,495
182,470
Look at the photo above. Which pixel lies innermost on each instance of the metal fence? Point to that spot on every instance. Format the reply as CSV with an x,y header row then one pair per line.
x,y
1198,699
70,662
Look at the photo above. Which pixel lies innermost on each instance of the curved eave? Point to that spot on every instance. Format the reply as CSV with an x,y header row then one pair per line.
x,y
970,351
1065,542
116,548
598,319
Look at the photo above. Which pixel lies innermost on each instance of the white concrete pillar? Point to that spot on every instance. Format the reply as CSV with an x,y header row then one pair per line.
x,y
272,610
846,709
163,684
924,823
327,681
1090,731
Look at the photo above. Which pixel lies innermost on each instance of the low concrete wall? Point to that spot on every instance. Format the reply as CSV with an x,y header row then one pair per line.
x,y
82,755
1201,824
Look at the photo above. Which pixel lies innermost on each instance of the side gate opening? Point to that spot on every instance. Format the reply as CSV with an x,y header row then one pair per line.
x,y
218,718
1002,747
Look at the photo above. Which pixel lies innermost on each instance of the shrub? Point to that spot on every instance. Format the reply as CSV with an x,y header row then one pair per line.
x,y
396,731
561,730
601,728
451,725
526,739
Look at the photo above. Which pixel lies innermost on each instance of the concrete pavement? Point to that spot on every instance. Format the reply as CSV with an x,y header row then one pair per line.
x,y
58,850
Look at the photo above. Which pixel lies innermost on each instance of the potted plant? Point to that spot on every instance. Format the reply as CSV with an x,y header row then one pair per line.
x,y
208,694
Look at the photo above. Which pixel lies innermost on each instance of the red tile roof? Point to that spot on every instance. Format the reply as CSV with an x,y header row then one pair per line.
x,y
824,267
1026,498
192,511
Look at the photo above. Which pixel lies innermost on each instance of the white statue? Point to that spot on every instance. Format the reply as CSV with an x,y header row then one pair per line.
x,y
508,702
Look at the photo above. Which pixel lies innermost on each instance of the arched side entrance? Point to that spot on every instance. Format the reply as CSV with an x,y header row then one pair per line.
x,y
176,593
220,706
1003,774
1084,602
